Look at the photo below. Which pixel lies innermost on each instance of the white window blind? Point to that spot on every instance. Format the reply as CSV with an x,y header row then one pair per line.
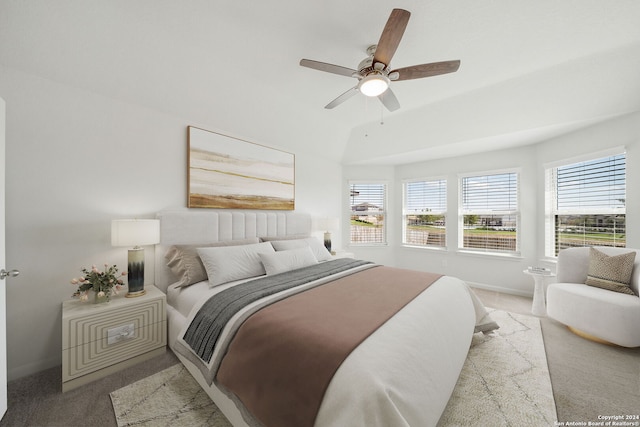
x,y
490,193
598,185
490,214
425,208
587,204
368,213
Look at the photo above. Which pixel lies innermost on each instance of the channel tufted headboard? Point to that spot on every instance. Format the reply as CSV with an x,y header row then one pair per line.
x,y
189,226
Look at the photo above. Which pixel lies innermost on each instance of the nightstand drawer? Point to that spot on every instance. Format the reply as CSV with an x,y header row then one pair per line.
x,y
87,329
99,354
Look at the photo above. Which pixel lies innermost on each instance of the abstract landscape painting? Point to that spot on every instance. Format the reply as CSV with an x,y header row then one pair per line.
x,y
229,173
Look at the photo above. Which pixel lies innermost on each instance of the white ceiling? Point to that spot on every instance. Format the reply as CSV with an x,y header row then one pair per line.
x,y
530,69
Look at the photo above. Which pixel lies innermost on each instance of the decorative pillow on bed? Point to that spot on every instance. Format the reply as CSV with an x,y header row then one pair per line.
x,y
185,263
226,264
317,247
279,262
610,272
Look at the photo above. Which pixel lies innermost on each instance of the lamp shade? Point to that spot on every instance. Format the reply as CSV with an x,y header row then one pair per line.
x,y
135,232
327,224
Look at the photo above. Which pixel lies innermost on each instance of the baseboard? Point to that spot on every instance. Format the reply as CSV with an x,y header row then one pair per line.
x,y
33,368
500,289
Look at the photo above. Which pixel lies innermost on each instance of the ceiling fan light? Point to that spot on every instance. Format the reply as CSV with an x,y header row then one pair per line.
x,y
373,84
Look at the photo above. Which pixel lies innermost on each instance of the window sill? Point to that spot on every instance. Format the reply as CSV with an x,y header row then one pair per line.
x,y
516,256
428,248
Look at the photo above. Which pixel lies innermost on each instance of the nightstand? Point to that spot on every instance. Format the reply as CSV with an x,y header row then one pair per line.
x,y
99,339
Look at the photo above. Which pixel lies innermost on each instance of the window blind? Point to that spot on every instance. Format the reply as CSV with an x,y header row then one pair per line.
x,y
426,196
490,193
424,214
367,197
592,186
586,204
367,206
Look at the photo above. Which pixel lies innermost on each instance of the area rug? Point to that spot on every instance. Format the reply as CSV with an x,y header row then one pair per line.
x,y
505,379
169,398
504,382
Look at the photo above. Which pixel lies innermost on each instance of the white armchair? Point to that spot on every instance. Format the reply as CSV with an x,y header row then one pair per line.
x,y
610,316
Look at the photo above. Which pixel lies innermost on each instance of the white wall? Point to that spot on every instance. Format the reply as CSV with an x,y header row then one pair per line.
x,y
74,161
493,272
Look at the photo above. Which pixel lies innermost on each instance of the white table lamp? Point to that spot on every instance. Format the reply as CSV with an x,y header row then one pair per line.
x,y
136,233
327,225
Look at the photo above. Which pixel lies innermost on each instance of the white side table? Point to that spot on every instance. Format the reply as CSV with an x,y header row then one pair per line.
x,y
539,305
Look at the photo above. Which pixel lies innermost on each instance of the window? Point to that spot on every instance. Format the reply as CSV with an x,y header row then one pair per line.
x,y
490,215
368,214
586,204
424,213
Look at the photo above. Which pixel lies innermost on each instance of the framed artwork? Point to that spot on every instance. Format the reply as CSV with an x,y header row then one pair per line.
x,y
229,173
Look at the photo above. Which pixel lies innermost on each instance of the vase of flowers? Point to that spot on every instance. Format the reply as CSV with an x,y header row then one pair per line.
x,y
102,283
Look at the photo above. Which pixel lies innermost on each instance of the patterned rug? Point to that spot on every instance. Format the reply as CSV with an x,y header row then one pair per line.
x,y
169,398
504,382
505,379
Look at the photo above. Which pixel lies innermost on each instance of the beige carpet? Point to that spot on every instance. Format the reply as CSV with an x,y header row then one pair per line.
x,y
504,382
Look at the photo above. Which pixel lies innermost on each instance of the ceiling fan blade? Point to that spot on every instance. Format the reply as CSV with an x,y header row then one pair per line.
x,y
339,100
391,36
426,70
389,100
329,68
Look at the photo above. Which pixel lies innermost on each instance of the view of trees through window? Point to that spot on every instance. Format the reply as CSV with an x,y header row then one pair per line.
x,y
490,212
588,203
585,206
367,213
425,207
589,230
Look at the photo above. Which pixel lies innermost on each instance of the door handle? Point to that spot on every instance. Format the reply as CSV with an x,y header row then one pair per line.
x,y
4,273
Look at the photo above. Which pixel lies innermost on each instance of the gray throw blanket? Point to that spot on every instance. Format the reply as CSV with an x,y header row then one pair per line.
x,y
204,331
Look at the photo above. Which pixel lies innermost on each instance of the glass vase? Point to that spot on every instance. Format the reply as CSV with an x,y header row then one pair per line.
x,y
97,299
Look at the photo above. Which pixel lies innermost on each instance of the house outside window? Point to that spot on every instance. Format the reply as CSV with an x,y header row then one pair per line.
x,y
586,203
424,213
489,213
368,213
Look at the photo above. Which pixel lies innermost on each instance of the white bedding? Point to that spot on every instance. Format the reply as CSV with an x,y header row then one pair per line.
x,y
412,383
403,374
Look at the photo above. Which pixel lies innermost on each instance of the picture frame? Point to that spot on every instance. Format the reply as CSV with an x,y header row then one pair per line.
x,y
230,173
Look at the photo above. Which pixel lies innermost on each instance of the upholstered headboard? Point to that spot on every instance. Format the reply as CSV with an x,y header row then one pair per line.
x,y
189,226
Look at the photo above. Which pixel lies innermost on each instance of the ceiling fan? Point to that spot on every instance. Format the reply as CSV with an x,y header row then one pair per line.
x,y
374,73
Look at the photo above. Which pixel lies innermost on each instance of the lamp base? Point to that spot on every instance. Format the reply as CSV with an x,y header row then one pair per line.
x,y
136,273
135,294
327,240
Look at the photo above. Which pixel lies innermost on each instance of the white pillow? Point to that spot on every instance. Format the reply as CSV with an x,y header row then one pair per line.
x,y
317,247
229,263
279,262
185,263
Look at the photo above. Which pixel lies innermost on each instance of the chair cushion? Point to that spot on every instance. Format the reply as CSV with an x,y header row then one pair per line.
x,y
610,272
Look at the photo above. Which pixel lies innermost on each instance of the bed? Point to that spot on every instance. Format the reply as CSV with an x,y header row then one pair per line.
x,y
398,367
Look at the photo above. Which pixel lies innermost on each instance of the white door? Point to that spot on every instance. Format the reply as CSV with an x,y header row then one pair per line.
x,y
3,311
